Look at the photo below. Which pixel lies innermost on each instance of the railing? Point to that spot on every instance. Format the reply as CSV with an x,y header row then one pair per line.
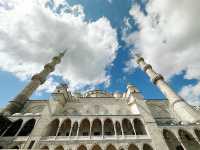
x,y
105,137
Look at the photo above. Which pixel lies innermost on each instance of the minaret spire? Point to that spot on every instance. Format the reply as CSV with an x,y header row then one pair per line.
x,y
36,80
178,106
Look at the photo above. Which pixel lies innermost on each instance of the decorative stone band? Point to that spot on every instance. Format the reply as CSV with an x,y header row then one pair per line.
x,y
56,59
139,59
48,66
38,77
147,66
176,101
156,78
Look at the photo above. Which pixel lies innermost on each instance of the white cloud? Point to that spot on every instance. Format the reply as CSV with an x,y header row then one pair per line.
x,y
169,36
30,34
191,94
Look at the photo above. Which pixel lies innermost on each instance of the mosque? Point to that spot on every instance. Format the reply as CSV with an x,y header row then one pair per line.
x,y
99,120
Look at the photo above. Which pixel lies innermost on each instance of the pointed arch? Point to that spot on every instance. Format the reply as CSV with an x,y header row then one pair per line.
x,y
108,127
45,147
60,147
110,147
139,127
65,128
13,129
96,128
171,140
84,129
188,140
118,128
147,147
27,128
197,133
132,147
74,129
82,147
96,147
127,127
52,128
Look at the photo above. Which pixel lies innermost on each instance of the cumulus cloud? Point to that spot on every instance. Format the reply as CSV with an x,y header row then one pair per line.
x,y
30,34
169,37
191,94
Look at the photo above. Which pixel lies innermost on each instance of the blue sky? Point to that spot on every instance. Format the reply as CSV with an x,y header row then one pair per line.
x,y
116,11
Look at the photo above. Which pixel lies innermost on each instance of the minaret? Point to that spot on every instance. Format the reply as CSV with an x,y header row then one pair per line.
x,y
178,106
18,102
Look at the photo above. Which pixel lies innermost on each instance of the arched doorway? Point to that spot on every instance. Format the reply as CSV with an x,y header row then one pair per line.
x,y
60,147
110,147
82,147
147,147
65,128
74,129
52,128
197,132
84,129
27,128
118,128
13,129
188,140
45,147
108,127
96,147
127,127
96,128
139,127
132,147
171,140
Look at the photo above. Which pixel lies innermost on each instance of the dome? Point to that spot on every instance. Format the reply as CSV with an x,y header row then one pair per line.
x,y
98,93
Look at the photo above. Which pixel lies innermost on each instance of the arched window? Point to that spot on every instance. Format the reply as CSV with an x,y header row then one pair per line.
x,y
65,128
52,128
139,127
110,147
127,127
132,147
82,147
84,129
74,129
45,147
171,140
13,129
147,147
108,127
27,128
118,128
4,124
188,140
60,147
96,147
197,132
96,128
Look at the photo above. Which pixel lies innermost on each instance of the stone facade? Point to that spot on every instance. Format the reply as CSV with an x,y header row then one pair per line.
x,y
98,120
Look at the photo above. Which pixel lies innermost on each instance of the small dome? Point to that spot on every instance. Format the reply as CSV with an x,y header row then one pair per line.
x,y
17,114
117,95
28,114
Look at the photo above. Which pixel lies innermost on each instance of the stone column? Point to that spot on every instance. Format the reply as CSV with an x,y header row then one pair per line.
x,y
180,109
19,101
